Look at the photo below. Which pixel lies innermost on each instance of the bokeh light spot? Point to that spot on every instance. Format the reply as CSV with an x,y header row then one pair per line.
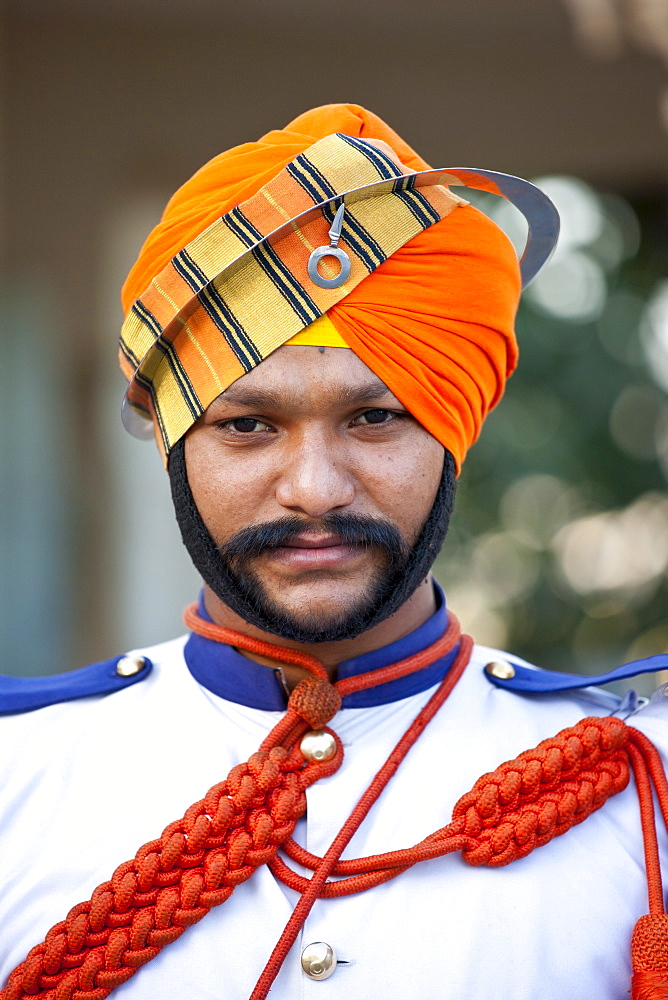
x,y
618,325
654,334
623,552
634,420
535,507
571,287
529,419
580,211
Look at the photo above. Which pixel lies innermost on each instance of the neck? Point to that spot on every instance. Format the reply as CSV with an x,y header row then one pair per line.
x,y
410,616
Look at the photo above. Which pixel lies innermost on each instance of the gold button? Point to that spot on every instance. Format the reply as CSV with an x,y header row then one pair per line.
x,y
318,960
128,666
318,745
501,669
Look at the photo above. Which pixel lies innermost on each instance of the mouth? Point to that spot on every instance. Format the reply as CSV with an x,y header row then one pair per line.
x,y
307,551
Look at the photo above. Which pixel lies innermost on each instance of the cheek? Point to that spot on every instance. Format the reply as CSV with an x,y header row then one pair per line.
x,y
226,495
405,484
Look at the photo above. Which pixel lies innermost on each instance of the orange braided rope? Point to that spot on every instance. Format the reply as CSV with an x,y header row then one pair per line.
x,y
174,881
241,823
229,637
382,675
328,863
522,805
649,943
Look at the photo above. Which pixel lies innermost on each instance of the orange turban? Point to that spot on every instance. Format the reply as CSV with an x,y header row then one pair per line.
x,y
434,321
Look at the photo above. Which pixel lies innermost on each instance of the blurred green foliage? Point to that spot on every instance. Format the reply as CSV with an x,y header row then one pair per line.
x,y
558,550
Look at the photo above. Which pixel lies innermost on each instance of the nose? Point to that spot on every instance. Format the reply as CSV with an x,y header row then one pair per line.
x,y
314,479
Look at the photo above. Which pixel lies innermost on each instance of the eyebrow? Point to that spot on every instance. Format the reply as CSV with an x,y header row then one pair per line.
x,y
364,392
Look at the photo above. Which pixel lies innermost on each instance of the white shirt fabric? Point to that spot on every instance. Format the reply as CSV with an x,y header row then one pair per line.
x,y
85,783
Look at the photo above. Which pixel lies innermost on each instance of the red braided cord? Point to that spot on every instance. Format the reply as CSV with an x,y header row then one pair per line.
x,y
655,767
518,807
383,675
228,636
344,887
360,682
508,813
649,944
174,881
648,823
327,864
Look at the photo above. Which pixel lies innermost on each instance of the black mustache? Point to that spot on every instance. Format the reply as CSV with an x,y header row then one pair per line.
x,y
352,529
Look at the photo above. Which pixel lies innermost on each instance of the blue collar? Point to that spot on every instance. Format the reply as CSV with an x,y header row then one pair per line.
x,y
230,675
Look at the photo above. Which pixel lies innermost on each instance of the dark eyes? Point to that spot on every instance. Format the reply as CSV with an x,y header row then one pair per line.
x,y
246,425
375,417
251,425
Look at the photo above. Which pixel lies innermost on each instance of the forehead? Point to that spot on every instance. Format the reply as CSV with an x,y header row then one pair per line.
x,y
294,374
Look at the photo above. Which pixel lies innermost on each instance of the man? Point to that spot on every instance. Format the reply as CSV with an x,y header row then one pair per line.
x,y
315,336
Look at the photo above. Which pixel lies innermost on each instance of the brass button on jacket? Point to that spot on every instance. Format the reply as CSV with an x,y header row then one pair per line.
x,y
318,960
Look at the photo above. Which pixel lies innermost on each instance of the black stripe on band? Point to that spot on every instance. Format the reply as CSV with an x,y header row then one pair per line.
x,y
230,327
292,291
242,228
128,353
417,204
146,317
194,277
180,376
385,166
167,350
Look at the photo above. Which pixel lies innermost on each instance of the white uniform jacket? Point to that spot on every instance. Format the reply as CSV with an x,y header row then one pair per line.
x,y
85,782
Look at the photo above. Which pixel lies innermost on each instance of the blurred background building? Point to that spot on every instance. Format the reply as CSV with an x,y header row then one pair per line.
x,y
559,549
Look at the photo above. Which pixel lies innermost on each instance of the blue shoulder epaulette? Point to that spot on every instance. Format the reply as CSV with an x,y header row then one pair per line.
x,y
23,694
516,676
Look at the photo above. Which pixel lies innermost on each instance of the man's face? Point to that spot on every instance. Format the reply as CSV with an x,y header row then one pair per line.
x,y
314,481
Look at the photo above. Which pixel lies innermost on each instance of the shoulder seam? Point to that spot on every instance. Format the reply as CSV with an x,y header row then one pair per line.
x,y
25,694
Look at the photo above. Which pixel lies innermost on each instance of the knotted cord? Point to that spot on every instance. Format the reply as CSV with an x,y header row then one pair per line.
x,y
242,822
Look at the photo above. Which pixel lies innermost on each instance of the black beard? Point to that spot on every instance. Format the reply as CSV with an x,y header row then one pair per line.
x,y
238,553
227,569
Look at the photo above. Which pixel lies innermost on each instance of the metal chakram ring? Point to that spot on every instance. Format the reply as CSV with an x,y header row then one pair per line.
x,y
317,256
331,251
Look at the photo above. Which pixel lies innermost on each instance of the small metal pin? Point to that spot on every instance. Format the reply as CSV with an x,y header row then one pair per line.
x,y
331,251
337,226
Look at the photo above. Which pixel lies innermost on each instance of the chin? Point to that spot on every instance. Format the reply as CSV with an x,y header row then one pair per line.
x,y
321,600
321,619
315,615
